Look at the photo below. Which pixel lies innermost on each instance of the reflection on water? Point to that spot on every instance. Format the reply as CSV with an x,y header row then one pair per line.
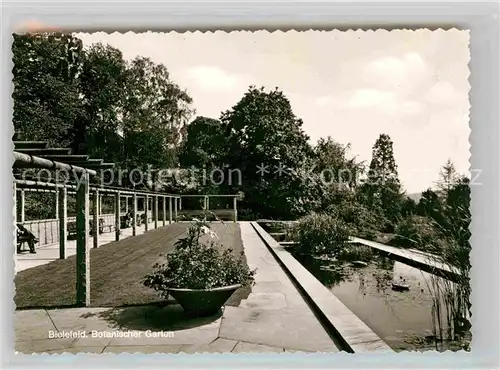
x,y
403,319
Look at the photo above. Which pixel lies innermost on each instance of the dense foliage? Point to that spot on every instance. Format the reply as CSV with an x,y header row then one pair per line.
x,y
320,234
92,100
46,86
263,132
415,232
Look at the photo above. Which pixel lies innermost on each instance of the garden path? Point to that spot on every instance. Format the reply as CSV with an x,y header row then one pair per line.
x,y
274,314
273,318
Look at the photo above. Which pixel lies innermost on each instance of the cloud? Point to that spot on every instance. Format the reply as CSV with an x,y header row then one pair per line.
x,y
404,73
214,79
367,98
410,108
442,93
323,100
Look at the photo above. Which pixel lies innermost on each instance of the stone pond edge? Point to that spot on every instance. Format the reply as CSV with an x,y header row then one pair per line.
x,y
352,333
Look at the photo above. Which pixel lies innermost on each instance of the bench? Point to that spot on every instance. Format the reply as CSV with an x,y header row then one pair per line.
x,y
71,227
102,226
25,236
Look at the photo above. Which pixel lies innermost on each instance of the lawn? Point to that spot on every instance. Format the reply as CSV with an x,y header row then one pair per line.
x,y
116,270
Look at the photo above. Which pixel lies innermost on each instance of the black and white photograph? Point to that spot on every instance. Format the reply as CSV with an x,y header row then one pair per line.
x,y
242,192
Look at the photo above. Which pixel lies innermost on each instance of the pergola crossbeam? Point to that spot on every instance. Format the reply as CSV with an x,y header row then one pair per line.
x,y
30,161
18,145
30,184
45,152
208,195
41,151
67,158
90,163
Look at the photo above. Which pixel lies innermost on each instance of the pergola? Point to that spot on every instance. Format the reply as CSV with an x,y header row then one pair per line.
x,y
37,155
206,201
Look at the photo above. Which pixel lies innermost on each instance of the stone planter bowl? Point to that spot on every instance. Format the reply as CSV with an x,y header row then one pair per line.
x,y
202,302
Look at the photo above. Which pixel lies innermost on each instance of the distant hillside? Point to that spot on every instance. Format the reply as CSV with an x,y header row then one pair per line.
x,y
415,196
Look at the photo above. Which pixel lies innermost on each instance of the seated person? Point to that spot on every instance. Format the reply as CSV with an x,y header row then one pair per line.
x,y
26,235
127,220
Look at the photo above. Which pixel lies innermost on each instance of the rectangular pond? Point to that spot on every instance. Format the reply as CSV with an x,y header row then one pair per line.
x,y
404,306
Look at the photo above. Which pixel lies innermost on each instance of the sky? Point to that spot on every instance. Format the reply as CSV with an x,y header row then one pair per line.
x,y
350,85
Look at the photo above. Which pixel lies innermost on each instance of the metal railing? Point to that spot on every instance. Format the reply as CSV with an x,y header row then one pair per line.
x,y
47,230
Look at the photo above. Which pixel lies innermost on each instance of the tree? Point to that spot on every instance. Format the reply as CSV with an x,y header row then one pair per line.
x,y
203,144
336,173
154,112
429,204
94,102
267,145
102,82
383,169
202,153
457,213
331,159
448,178
46,95
409,207
382,188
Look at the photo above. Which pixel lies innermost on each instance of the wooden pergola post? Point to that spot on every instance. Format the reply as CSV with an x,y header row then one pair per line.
x,y
146,210
62,195
117,216
95,217
235,209
169,210
134,215
164,209
175,209
22,206
14,194
180,204
57,204
82,246
207,201
155,210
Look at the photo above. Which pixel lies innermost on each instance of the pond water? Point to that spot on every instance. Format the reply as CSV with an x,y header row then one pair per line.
x,y
405,320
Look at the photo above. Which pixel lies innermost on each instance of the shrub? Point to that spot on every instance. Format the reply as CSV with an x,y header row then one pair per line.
x,y
199,264
416,232
318,234
247,214
363,221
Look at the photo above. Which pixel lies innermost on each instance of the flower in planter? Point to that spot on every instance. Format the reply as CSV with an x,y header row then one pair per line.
x,y
199,263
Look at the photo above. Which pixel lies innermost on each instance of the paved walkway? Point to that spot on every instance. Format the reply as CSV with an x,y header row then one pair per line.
x,y
50,252
273,318
274,314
